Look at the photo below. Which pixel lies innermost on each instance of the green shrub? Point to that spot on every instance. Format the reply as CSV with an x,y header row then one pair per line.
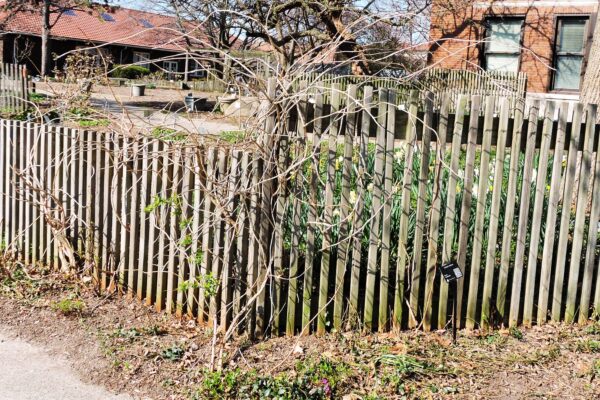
x,y
129,72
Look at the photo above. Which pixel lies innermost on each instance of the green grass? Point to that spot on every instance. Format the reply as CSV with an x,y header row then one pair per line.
x,y
94,123
69,305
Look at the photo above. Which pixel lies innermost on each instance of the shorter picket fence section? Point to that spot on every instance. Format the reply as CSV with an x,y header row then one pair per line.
x,y
14,88
341,223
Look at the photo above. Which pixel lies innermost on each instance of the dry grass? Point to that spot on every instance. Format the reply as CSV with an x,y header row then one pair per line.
x,y
128,347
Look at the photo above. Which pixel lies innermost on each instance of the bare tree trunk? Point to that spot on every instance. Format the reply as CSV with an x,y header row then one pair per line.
x,y
590,88
45,38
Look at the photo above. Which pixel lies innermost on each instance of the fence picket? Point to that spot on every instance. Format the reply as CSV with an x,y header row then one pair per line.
x,y
524,200
482,191
376,210
537,216
565,218
465,211
449,219
592,238
556,184
387,211
490,260
403,254
361,141
581,211
508,231
313,199
345,206
327,245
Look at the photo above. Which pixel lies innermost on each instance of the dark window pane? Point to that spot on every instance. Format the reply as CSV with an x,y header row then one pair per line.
x,y
568,72
570,36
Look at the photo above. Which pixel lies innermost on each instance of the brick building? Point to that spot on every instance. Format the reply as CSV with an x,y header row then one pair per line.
x,y
548,40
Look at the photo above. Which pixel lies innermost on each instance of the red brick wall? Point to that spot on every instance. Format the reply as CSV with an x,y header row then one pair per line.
x,y
457,33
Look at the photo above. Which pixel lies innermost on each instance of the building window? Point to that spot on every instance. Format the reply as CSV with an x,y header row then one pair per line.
x,y
171,68
141,58
569,52
503,44
196,69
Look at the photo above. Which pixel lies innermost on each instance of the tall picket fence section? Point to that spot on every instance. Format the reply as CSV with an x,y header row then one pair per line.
x,y
341,223
13,88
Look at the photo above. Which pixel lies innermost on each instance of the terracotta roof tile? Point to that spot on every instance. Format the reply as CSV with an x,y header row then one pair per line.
x,y
120,25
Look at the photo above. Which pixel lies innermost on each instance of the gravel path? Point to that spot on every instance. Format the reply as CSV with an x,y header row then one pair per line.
x,y
29,372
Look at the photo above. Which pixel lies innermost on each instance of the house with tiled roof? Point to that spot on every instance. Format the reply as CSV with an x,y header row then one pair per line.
x,y
125,35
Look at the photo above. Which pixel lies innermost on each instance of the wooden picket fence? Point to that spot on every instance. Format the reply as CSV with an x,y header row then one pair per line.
x,y
14,88
440,81
340,223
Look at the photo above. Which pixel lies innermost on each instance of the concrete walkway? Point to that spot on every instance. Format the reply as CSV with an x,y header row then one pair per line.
x,y
28,372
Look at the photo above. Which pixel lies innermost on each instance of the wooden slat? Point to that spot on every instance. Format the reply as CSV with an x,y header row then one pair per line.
x,y
556,183
403,250
217,248
581,214
345,206
538,214
565,218
330,186
297,191
481,201
265,221
25,198
162,224
242,231
417,260
592,239
132,221
360,142
276,255
185,235
227,279
509,214
150,260
144,194
449,218
196,234
435,211
490,260
313,200
524,200
253,234
384,280
465,211
376,211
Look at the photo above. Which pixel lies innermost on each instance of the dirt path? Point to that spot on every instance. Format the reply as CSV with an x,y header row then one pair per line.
x,y
29,372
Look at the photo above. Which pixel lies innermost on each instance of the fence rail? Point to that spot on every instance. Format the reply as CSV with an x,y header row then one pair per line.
x,y
13,88
345,230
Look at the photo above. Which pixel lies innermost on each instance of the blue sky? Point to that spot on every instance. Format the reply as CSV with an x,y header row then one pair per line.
x,y
134,3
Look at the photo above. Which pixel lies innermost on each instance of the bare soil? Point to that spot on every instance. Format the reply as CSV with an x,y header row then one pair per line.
x,y
128,347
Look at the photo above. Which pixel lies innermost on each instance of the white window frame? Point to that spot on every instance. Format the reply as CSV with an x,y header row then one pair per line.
x,y
167,67
516,52
141,58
